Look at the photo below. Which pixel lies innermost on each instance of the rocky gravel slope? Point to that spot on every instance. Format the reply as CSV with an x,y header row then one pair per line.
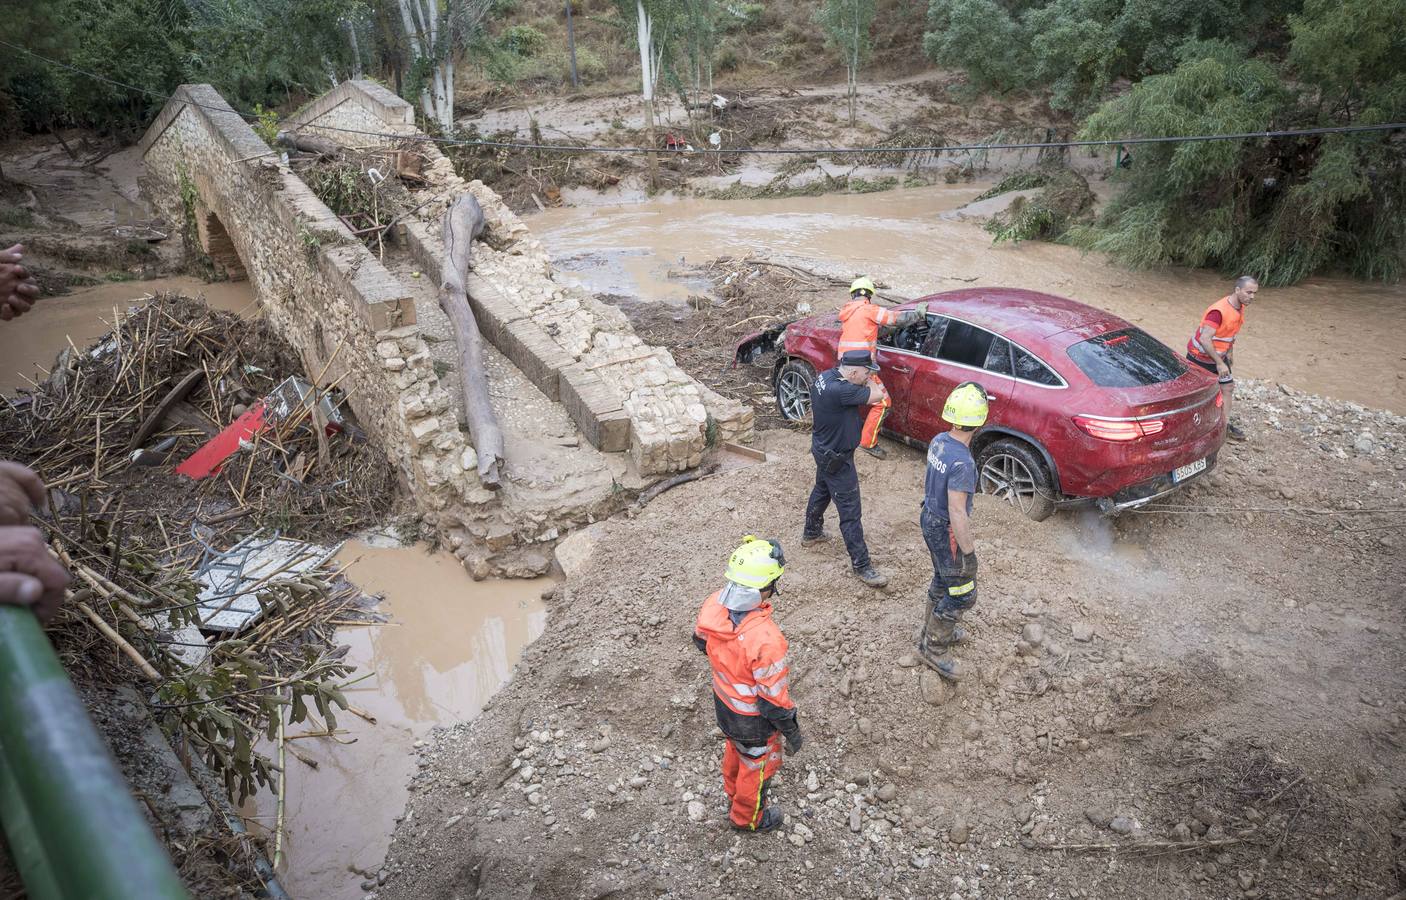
x,y
1199,701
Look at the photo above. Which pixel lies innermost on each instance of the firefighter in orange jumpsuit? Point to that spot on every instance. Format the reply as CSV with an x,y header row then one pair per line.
x,y
750,680
860,321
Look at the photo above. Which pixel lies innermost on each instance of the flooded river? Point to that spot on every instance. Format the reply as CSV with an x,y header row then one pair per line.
x,y
34,339
449,644
1334,337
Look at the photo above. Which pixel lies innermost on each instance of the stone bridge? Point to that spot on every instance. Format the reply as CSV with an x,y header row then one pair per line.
x,y
587,408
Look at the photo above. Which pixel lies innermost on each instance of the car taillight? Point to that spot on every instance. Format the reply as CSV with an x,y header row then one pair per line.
x,y
1220,400
1119,429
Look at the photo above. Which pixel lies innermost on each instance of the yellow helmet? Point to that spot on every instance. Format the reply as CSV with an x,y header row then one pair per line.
x,y
966,405
756,564
862,284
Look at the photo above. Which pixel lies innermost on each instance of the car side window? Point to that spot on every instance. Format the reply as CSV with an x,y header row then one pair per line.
x,y
998,358
966,344
1031,369
911,337
937,327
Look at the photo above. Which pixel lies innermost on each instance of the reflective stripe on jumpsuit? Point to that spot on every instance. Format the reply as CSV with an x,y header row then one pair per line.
x,y
746,773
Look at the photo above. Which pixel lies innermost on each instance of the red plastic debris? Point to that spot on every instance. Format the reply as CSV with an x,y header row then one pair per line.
x,y
211,456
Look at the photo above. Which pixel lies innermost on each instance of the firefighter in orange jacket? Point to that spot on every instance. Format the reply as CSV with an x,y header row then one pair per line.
x,y
750,677
860,320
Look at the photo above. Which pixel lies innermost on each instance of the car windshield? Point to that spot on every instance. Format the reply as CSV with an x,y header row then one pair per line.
x,y
1127,358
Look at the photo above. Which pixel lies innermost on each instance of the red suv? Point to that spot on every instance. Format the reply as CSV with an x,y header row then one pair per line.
x,y
1084,405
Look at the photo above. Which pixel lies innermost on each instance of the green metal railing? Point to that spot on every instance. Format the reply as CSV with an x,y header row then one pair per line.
x,y
74,830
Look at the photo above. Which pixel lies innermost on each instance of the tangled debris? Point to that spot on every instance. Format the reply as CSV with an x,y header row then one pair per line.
x,y
751,295
1064,201
108,421
105,431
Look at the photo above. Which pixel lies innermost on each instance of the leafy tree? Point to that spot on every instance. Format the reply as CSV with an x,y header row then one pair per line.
x,y
700,40
261,51
846,24
1078,48
1282,208
656,24
143,44
981,37
438,38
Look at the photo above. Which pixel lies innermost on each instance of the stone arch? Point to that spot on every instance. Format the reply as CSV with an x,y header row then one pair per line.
x,y
217,244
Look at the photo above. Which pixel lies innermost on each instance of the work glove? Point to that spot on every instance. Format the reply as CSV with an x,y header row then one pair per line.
x,y
966,565
794,742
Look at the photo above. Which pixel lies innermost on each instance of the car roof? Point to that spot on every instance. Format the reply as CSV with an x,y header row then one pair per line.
x,y
1019,313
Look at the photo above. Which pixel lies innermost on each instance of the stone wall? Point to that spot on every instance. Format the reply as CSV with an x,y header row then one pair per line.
x,y
321,289
622,392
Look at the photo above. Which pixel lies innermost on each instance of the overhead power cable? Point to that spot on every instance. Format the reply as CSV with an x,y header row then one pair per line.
x,y
763,151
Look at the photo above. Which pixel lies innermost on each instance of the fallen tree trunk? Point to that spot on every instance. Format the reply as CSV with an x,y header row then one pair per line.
x,y
308,143
462,223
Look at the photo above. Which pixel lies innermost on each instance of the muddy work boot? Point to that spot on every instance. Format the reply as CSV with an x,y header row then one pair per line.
x,y
940,633
876,451
810,540
770,821
947,667
1234,432
871,576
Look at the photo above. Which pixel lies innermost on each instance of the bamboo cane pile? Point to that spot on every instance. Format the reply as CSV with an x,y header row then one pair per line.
x,y
80,428
169,375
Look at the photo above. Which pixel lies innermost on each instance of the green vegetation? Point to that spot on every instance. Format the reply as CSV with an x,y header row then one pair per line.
x,y
846,24
1278,208
265,124
1064,200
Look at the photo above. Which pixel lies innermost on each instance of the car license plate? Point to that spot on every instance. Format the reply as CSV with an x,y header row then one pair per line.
x,y
1181,473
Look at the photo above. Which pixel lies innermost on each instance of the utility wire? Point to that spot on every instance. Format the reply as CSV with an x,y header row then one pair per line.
x,y
766,151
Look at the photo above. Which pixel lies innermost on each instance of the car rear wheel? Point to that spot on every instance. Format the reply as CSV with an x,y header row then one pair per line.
x,y
793,390
1013,471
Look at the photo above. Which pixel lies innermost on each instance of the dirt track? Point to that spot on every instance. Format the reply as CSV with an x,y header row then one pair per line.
x,y
1226,684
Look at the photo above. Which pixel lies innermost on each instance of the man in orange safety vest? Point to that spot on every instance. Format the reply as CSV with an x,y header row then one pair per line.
x,y
751,693
1212,347
860,320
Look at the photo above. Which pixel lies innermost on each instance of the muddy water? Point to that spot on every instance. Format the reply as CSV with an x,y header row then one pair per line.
x,y
449,644
1334,337
34,339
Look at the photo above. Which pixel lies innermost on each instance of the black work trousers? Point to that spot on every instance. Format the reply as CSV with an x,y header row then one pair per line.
x,y
949,594
837,479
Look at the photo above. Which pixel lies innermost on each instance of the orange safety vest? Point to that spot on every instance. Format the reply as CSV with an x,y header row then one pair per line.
x,y
859,325
749,660
1230,321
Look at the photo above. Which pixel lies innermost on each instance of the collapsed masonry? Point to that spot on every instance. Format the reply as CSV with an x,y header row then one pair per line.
x,y
587,406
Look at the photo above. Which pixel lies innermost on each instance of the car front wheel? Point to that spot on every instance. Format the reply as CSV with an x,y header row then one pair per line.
x,y
1013,471
793,390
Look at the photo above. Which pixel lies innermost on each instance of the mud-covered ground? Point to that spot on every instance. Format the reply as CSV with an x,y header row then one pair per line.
x,y
1201,701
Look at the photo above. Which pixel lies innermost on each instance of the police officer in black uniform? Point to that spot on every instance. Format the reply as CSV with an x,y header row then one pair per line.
x,y
837,401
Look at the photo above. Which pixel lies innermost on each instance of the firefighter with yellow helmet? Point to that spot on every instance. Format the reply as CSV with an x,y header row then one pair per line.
x,y
950,482
860,321
751,680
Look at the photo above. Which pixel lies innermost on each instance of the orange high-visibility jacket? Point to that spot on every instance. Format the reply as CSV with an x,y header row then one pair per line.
x,y
750,673
1230,321
859,325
